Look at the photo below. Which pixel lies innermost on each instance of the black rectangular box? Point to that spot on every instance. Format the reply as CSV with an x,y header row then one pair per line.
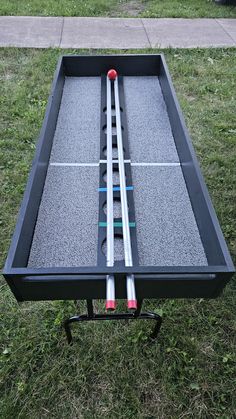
x,y
89,282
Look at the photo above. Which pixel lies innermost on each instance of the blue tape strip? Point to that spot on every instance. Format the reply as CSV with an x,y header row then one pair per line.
x,y
116,188
116,224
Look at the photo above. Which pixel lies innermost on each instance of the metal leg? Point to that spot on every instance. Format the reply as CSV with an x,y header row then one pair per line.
x,y
117,316
139,308
67,330
157,326
90,308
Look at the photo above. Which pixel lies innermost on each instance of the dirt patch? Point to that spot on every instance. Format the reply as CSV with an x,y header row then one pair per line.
x,y
130,8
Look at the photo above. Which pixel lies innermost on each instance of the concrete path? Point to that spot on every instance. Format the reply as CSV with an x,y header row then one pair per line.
x,y
84,32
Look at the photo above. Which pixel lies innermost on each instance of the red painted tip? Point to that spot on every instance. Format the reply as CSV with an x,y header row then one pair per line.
x,y
132,304
110,305
112,74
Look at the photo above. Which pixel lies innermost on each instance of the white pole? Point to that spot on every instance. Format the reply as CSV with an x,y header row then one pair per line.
x,y
130,283
110,280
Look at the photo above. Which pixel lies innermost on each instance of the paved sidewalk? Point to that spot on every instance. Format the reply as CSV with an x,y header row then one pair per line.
x,y
84,32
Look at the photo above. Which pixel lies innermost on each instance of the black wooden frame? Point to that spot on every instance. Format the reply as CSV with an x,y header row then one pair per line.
x,y
89,282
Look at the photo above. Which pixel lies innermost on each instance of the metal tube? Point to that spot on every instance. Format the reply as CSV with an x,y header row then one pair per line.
x,y
130,284
110,280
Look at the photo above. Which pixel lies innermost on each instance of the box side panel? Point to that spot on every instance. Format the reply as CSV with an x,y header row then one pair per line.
x,y
209,229
129,65
69,288
21,241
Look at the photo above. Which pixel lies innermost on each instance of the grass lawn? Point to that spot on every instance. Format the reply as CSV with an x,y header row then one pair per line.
x,y
146,8
187,8
111,371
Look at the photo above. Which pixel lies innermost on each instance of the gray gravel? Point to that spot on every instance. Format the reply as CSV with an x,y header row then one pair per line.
x,y
167,232
149,131
77,135
67,225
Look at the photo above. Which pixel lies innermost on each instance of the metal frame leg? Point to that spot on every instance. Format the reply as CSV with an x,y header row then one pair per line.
x,y
137,315
139,308
90,308
157,327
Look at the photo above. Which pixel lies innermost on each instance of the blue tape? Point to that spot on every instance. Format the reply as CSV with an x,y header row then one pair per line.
x,y
116,188
115,224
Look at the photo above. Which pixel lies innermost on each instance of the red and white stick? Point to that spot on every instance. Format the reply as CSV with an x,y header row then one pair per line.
x,y
130,283
110,280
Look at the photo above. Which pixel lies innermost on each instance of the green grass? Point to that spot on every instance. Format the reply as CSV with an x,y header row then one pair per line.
x,y
187,9
56,7
149,8
111,371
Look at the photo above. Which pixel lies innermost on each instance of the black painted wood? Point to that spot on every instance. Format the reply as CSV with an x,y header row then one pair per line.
x,y
89,282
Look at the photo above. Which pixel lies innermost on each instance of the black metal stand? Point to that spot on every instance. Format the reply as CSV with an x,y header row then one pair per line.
x,y
118,316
